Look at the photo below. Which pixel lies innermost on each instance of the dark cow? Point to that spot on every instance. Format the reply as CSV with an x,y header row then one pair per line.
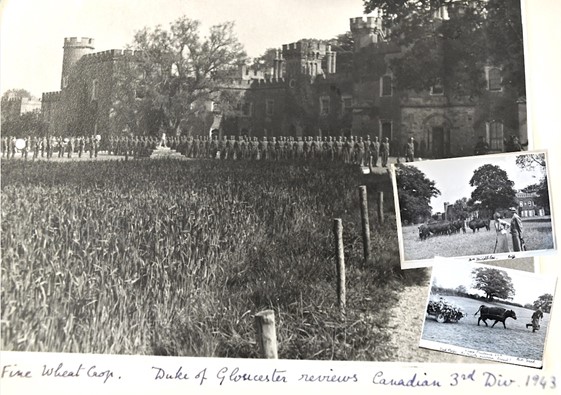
x,y
457,226
424,232
477,223
494,313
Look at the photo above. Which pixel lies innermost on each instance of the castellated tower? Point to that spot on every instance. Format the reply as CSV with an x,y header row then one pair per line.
x,y
366,32
74,49
306,57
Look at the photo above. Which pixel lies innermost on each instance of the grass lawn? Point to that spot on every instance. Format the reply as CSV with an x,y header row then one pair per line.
x,y
537,235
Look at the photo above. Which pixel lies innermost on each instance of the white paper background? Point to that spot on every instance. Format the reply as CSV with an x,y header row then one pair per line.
x,y
543,65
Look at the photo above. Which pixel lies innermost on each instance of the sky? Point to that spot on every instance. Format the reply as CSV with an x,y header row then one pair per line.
x,y
528,286
33,31
452,176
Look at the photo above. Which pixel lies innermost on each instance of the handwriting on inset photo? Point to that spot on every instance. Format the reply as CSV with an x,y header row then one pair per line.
x,y
488,312
482,207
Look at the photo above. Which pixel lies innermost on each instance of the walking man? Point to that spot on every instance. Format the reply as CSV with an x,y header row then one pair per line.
x,y
536,317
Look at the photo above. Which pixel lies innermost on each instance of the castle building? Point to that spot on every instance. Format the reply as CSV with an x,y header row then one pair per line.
x,y
305,93
13,107
527,206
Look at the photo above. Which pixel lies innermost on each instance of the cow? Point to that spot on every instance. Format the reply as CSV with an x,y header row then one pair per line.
x,y
477,223
458,225
494,313
424,232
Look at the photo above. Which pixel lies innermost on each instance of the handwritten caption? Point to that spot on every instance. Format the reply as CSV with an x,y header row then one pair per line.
x,y
489,258
231,375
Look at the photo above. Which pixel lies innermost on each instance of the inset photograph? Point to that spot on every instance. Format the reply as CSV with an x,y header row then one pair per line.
x,y
488,312
483,207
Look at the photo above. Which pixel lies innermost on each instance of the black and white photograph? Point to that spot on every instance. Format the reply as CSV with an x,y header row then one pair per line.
x,y
488,207
489,312
187,178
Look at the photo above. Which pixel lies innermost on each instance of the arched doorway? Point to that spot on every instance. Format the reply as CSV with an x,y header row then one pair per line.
x,y
436,131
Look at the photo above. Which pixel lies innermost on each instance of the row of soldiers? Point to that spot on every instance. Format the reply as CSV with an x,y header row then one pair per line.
x,y
45,147
357,150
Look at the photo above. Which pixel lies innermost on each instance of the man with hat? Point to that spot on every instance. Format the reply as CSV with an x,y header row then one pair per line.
x,y
516,231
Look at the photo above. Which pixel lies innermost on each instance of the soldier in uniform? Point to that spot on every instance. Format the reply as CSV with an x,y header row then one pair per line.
x,y
12,147
410,151
80,146
385,151
359,151
374,152
43,146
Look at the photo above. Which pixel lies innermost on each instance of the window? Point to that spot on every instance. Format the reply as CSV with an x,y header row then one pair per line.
x,y
521,204
437,89
94,90
269,107
246,109
65,81
324,105
495,135
494,79
386,127
347,102
386,85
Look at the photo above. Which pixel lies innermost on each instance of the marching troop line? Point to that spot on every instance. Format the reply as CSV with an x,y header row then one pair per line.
x,y
358,150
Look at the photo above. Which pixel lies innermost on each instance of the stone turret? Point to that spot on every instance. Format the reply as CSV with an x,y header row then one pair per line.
x,y
74,49
366,31
304,57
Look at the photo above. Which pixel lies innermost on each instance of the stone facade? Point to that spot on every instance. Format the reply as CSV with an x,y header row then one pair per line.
x,y
304,94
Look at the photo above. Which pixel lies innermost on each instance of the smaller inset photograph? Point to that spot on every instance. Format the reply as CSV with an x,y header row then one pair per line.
x,y
488,312
485,207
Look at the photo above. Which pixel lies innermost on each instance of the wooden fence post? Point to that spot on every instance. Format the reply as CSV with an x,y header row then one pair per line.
x,y
381,207
266,334
365,222
341,292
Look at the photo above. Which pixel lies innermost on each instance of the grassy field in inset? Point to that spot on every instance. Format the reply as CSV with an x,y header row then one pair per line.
x,y
537,235
175,258
516,340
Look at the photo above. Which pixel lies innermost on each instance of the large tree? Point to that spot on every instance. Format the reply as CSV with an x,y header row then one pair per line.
x,y
493,188
17,93
415,191
175,73
494,282
449,42
544,302
27,124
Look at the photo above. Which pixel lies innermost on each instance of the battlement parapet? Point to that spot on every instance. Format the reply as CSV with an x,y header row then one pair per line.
x,y
370,23
304,46
268,83
50,96
11,99
81,42
109,55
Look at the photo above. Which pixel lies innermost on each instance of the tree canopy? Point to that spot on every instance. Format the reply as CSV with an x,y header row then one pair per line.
x,y
17,93
531,162
415,191
449,42
177,72
544,303
495,283
27,124
493,188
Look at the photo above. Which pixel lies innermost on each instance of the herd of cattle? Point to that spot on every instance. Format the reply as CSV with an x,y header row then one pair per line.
x,y
438,228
